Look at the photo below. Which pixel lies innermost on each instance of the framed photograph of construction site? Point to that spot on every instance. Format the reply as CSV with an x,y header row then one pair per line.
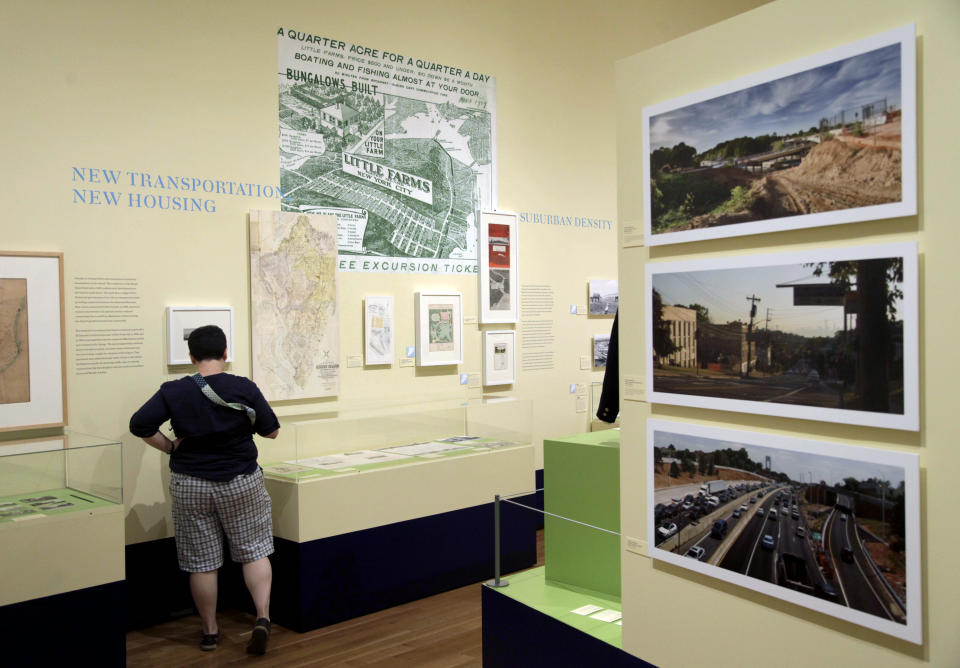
x,y
831,527
827,139
823,334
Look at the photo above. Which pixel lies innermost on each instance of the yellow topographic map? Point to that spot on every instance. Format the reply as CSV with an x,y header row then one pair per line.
x,y
14,344
293,304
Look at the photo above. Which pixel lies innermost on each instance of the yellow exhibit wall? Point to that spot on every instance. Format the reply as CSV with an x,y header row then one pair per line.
x,y
186,88
674,616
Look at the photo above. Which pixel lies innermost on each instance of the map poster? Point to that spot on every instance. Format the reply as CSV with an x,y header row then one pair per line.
x,y
14,342
400,148
441,327
293,305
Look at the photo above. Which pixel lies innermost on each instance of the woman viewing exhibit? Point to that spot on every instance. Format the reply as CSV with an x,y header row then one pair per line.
x,y
215,483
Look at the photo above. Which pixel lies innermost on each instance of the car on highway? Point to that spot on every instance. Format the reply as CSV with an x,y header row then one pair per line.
x,y
843,517
719,529
801,532
736,512
696,552
760,511
753,499
687,506
785,511
846,554
772,515
766,542
667,530
743,508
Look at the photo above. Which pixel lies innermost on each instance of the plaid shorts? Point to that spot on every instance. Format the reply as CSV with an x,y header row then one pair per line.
x,y
205,510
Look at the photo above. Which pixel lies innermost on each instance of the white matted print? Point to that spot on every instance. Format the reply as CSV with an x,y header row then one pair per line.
x,y
499,357
439,328
823,140
182,320
826,334
834,528
32,379
499,280
604,296
378,329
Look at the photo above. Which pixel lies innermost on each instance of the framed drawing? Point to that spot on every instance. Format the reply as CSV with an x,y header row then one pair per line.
x,y
499,281
601,347
604,296
32,345
834,528
378,329
181,320
439,328
823,140
499,357
826,334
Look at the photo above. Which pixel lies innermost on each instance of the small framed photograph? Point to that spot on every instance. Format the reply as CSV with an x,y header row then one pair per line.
x,y
828,334
831,527
604,296
499,357
181,320
32,376
439,328
601,347
378,329
827,139
499,282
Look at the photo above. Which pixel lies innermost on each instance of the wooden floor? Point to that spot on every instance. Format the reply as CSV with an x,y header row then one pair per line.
x,y
441,631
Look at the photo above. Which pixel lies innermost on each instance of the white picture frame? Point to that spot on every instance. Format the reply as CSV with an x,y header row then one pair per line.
x,y
838,577
603,296
499,271
755,106
33,377
439,334
499,357
715,283
378,330
181,320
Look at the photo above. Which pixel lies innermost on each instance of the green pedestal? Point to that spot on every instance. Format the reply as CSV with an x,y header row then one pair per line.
x,y
582,482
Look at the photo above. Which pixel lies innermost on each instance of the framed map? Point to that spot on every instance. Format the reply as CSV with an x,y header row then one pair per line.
x,y
827,139
182,320
293,305
402,150
499,357
378,329
499,280
439,328
32,346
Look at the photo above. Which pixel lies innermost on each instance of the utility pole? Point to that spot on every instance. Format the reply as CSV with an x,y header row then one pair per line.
x,y
753,314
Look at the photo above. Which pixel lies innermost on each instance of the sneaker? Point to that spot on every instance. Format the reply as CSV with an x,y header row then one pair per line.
x,y
208,642
259,637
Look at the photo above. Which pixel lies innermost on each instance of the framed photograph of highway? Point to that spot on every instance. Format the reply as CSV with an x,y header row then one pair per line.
x,y
827,139
499,280
32,341
831,527
439,328
825,334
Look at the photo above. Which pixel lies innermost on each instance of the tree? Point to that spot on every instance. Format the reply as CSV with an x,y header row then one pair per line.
x,y
674,470
663,345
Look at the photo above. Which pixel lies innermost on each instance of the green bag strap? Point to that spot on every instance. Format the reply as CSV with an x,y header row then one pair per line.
x,y
215,398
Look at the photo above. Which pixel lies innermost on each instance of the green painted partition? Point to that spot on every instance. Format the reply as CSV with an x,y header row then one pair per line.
x,y
582,482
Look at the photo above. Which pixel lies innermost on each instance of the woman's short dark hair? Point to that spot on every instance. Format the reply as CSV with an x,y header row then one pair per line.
x,y
207,343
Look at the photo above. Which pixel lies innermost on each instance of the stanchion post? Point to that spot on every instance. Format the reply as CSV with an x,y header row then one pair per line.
x,y
496,581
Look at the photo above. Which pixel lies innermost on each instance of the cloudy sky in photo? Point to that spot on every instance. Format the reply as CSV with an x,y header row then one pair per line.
x,y
798,465
796,102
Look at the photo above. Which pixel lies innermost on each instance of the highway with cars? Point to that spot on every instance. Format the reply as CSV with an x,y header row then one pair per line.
x,y
764,535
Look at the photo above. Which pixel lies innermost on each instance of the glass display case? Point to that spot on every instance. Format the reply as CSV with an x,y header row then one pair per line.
x,y
367,438
58,475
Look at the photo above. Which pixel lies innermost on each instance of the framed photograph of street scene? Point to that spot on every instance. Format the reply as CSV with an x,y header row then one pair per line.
x,y
32,346
439,328
499,280
499,357
826,334
182,320
831,527
827,139
604,296
601,348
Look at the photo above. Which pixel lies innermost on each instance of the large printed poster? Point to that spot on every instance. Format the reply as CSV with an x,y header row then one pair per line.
x,y
400,149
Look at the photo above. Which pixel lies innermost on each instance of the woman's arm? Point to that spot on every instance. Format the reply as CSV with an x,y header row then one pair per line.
x,y
164,444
